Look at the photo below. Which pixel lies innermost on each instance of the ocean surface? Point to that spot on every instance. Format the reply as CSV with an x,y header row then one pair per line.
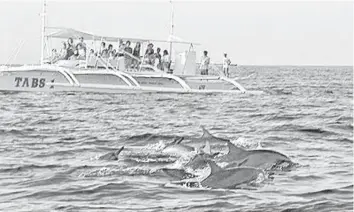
x,y
50,144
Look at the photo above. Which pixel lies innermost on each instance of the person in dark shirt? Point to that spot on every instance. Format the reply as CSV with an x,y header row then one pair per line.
x,y
149,51
128,58
136,53
128,48
110,49
70,49
102,48
149,54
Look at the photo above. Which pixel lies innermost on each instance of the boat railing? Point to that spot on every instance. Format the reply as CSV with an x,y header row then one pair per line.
x,y
160,73
121,74
130,81
223,77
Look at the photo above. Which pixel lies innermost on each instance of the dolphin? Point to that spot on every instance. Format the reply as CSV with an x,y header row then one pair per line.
x,y
112,155
176,148
260,158
199,144
229,178
151,137
176,174
199,160
207,136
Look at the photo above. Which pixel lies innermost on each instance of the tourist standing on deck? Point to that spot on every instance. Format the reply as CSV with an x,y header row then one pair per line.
x,y
55,56
204,64
136,53
226,62
149,54
70,49
121,60
127,57
63,51
81,52
158,58
81,43
165,61
102,48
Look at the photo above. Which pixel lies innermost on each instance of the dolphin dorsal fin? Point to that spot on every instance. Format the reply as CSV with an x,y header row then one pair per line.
x,y
234,149
178,141
207,148
242,162
118,151
206,133
214,167
175,140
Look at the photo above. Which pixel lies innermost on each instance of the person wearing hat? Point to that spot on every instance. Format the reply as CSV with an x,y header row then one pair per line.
x,y
226,62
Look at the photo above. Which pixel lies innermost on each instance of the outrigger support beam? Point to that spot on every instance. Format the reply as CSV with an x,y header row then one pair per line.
x,y
236,84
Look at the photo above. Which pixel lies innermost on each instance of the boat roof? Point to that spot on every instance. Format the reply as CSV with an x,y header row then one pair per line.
x,y
65,33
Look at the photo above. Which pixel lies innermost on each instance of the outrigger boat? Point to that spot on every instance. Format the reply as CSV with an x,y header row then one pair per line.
x,y
96,74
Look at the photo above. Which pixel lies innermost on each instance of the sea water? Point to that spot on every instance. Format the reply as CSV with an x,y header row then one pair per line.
x,y
50,144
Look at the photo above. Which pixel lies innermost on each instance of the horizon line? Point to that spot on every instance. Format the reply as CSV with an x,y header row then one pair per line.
x,y
232,65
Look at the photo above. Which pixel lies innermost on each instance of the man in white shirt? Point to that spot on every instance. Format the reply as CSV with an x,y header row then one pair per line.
x,y
204,64
226,62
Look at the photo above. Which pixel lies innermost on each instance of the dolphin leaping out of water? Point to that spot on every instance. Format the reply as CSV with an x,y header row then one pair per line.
x,y
229,178
112,155
260,158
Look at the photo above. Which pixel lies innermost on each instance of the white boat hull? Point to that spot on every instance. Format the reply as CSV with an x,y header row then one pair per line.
x,y
50,78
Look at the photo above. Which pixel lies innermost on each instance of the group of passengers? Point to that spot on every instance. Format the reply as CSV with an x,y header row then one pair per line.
x,y
132,57
162,62
70,51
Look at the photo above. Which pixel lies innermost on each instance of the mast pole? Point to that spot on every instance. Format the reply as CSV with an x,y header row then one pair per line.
x,y
172,27
43,14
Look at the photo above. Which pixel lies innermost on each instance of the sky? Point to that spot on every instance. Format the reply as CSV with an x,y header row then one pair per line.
x,y
251,32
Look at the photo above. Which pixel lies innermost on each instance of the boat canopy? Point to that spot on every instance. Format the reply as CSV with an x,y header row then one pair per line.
x,y
65,33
